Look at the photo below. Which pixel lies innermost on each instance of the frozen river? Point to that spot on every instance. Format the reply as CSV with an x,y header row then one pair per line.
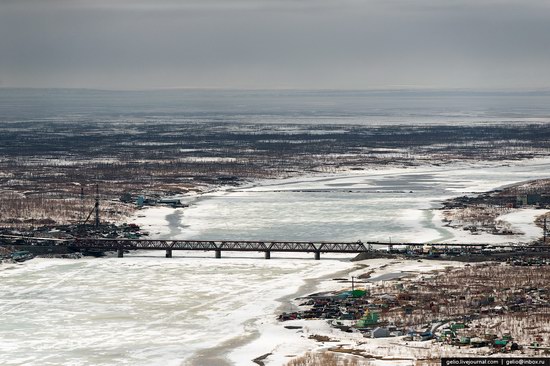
x,y
379,205
141,310
145,309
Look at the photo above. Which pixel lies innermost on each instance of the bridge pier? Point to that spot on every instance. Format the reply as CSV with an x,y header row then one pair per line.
x,y
168,253
267,254
317,255
218,253
120,253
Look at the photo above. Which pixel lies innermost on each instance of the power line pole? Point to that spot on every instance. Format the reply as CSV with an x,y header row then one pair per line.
x,y
97,205
81,216
544,231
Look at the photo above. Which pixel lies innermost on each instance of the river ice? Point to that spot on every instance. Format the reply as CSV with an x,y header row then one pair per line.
x,y
378,205
192,309
141,310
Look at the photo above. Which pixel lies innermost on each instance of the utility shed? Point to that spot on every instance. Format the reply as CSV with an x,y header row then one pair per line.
x,y
379,332
528,199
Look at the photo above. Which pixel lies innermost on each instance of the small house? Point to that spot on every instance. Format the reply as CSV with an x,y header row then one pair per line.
x,y
456,326
380,332
368,319
478,342
528,199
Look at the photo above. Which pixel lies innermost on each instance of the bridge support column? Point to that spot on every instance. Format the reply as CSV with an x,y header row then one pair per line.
x,y
317,256
267,254
120,253
218,253
168,253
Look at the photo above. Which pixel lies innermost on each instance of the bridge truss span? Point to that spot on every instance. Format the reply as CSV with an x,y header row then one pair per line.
x,y
267,247
218,246
357,247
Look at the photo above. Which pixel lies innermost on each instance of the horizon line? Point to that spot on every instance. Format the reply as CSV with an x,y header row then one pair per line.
x,y
372,90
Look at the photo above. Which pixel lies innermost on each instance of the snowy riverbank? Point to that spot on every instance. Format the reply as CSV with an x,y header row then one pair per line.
x,y
520,221
301,336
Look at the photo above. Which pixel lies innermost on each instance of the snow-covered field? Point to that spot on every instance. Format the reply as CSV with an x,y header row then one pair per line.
x,y
521,222
192,309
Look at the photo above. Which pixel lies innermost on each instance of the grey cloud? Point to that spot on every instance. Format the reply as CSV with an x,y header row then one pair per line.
x,y
273,43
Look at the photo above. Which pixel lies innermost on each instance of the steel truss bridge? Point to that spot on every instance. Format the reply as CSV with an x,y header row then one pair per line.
x,y
218,246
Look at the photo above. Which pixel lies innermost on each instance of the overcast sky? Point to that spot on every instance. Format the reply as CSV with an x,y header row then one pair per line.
x,y
303,44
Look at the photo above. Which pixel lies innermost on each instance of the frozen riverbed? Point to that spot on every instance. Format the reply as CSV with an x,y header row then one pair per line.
x,y
145,309
378,205
142,310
